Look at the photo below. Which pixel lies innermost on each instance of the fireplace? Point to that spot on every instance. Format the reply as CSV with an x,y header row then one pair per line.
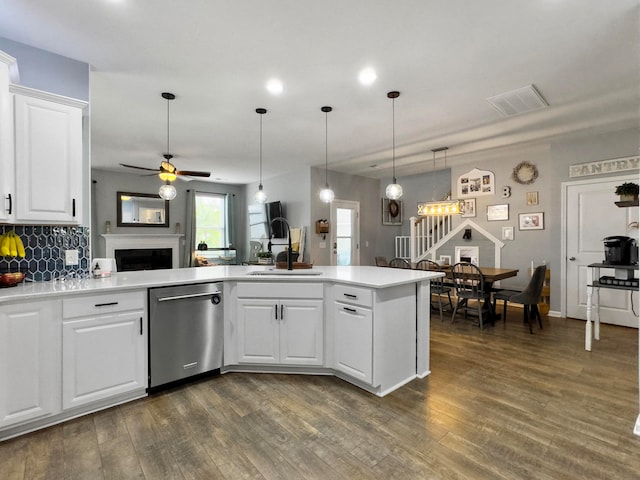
x,y
143,259
143,252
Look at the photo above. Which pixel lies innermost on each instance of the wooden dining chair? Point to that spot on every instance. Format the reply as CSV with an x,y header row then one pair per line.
x,y
399,263
438,287
529,297
469,284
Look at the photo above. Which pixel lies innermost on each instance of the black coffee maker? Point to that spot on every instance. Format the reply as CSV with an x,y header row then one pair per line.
x,y
619,250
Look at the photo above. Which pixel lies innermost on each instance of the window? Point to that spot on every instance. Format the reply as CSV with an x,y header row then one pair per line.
x,y
211,220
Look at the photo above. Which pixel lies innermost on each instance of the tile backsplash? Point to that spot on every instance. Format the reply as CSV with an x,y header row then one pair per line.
x,y
45,251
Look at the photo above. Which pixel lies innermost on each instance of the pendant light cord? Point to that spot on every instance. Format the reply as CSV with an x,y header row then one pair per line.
x,y
393,133
326,149
168,102
261,150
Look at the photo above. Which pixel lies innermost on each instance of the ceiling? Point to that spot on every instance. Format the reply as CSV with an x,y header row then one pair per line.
x,y
445,58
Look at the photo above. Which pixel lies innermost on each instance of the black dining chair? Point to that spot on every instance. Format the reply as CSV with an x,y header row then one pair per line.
x,y
529,297
469,284
438,287
399,263
381,262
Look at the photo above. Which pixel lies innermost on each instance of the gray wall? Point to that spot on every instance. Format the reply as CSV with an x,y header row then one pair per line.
x,y
105,184
346,187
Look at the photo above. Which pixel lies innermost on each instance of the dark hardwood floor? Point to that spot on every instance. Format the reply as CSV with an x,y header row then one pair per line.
x,y
499,404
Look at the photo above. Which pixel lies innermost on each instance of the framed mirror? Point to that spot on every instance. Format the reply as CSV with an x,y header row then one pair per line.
x,y
142,210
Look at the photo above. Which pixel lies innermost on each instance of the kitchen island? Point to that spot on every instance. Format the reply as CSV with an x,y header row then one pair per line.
x,y
69,348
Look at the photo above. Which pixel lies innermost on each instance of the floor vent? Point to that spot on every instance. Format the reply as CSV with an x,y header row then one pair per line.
x,y
515,102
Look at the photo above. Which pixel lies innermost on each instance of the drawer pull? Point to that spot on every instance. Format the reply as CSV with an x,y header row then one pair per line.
x,y
105,304
350,295
350,310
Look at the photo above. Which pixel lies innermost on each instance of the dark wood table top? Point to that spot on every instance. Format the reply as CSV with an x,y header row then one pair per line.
x,y
490,274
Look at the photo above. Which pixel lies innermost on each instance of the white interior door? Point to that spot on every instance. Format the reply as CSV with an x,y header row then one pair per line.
x,y
592,215
345,232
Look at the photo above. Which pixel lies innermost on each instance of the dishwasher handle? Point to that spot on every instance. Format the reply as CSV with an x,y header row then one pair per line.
x,y
191,295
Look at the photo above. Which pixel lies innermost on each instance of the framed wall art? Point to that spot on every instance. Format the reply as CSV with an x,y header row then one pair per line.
x,y
531,221
392,211
468,207
497,212
475,183
532,198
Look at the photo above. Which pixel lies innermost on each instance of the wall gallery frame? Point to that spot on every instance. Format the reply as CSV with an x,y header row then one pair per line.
x,y
497,212
531,221
476,182
468,207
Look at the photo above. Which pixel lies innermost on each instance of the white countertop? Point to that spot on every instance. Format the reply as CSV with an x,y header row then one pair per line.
x,y
373,277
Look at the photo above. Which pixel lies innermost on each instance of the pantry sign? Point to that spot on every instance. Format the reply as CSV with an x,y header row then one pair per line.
x,y
604,166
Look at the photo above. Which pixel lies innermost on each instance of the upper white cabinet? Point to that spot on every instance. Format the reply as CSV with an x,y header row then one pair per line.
x,y
8,74
48,185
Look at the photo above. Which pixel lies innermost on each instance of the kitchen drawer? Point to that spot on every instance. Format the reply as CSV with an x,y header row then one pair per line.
x,y
279,290
353,295
89,305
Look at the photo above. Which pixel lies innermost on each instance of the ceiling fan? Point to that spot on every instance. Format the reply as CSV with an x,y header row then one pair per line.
x,y
167,170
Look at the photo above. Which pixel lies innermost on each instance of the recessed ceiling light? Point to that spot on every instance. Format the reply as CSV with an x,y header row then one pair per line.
x,y
367,76
275,86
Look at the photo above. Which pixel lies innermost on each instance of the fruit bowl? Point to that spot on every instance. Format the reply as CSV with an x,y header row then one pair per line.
x,y
11,279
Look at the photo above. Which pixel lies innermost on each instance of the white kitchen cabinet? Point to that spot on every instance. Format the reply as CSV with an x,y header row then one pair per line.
x,y
104,344
48,182
29,361
8,74
272,329
373,335
353,341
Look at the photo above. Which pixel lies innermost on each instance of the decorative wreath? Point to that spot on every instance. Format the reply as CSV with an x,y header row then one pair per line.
x,y
525,173
394,208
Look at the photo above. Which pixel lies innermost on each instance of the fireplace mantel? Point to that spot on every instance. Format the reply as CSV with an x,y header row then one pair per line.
x,y
117,241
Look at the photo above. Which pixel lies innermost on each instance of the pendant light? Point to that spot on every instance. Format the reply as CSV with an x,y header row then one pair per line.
x,y
443,207
326,194
260,196
168,191
394,189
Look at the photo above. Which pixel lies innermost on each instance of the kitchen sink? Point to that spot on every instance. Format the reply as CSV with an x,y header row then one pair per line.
x,y
296,273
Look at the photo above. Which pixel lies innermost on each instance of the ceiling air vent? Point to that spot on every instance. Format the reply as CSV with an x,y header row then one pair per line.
x,y
515,102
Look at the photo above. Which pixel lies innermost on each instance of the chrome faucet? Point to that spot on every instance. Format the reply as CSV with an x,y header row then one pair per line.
x,y
289,256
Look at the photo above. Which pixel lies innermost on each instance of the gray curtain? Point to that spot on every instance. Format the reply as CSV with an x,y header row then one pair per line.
x,y
190,230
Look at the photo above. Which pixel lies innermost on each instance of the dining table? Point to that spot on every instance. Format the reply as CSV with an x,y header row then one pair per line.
x,y
490,275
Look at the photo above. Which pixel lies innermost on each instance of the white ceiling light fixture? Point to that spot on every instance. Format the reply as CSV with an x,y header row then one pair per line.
x,y
326,194
367,76
260,196
167,191
442,207
394,189
275,86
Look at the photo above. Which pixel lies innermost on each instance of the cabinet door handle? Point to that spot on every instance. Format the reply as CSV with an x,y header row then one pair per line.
x,y
73,207
350,310
281,312
10,203
276,311
105,304
350,295
140,325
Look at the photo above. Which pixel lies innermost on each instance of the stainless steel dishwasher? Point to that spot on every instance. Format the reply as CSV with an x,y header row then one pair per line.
x,y
185,331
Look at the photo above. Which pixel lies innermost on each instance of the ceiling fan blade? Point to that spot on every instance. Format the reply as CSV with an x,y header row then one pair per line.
x,y
192,173
139,168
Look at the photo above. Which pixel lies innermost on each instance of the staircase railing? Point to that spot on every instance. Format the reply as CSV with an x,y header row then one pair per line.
x,y
425,234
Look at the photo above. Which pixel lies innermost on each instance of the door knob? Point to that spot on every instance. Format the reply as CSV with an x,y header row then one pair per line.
x,y
573,259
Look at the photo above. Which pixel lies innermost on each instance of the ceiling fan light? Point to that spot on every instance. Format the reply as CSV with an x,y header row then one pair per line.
x,y
167,176
394,190
326,194
260,196
167,192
